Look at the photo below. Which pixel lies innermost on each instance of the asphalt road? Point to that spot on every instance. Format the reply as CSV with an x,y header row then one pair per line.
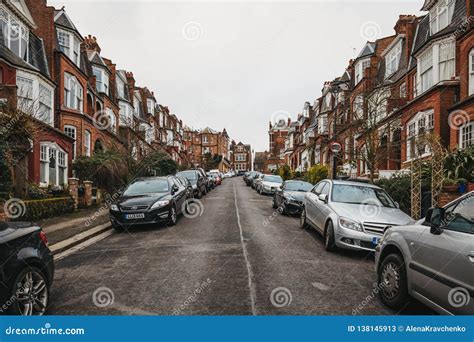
x,y
238,258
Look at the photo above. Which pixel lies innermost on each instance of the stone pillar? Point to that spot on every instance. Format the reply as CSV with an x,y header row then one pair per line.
x,y
73,190
88,193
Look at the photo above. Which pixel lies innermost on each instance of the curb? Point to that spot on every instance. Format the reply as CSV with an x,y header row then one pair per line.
x,y
61,246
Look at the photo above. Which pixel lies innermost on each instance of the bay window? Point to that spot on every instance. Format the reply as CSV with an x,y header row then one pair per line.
x,y
53,165
447,54
392,60
73,92
15,34
69,45
45,103
112,120
441,15
422,123
25,93
102,80
126,114
71,131
471,72
426,70
87,143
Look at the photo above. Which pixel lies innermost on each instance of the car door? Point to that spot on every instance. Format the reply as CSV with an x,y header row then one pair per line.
x,y
311,202
446,261
180,195
321,208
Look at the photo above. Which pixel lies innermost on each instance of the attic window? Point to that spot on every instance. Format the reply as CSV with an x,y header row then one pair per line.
x,y
441,15
360,69
15,34
69,44
392,60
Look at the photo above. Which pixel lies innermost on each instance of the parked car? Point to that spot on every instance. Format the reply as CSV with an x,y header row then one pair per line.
x,y
208,182
240,173
212,180
198,182
149,201
249,177
431,260
217,176
268,184
256,179
290,197
350,215
26,269
189,187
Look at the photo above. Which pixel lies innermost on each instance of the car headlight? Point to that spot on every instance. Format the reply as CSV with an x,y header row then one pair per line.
x,y
160,204
195,186
114,207
350,224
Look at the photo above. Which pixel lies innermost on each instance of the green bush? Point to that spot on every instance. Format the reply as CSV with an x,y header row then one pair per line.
x,y
399,188
45,208
317,173
285,172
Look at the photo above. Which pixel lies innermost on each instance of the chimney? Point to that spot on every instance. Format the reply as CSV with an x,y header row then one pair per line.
x,y
90,44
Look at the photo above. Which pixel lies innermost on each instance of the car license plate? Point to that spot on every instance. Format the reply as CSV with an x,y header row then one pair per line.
x,y
134,216
375,241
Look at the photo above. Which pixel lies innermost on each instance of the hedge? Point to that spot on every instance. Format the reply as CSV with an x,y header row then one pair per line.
x,y
45,208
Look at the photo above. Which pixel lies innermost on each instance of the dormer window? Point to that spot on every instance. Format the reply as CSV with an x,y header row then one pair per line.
x,y
441,15
102,80
360,69
150,106
15,34
392,60
69,45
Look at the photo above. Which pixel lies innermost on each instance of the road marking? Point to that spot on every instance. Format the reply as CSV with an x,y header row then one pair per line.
x,y
247,262
320,286
83,245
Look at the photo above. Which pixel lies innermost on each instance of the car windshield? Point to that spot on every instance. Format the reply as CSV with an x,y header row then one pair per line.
x,y
298,186
192,175
354,194
273,179
150,186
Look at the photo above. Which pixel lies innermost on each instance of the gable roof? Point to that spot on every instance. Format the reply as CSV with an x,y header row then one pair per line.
x,y
367,50
20,8
62,19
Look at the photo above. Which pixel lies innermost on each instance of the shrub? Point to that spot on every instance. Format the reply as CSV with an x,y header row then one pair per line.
x,y
399,188
45,208
285,172
317,173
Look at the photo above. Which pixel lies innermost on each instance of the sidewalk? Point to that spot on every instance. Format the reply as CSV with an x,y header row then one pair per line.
x,y
61,228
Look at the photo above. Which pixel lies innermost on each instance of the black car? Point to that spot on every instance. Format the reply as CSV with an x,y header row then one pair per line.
x,y
189,187
208,182
26,269
149,201
198,181
249,178
289,198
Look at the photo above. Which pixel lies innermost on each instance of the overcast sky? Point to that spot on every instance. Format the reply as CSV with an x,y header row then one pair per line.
x,y
235,64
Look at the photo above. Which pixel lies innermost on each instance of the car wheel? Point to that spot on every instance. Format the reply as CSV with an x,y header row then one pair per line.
x,y
274,205
329,240
173,219
303,222
30,293
392,282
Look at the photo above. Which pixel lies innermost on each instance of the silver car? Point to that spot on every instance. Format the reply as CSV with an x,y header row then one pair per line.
x,y
432,260
350,215
269,184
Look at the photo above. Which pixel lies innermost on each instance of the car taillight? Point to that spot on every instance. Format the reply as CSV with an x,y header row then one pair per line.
x,y
43,238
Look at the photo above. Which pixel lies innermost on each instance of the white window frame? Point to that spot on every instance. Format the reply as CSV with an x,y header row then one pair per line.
x,y
36,98
205,139
102,79
126,114
466,135
71,48
150,105
46,148
360,69
71,131
112,120
392,59
19,35
424,119
447,60
73,93
443,7
87,143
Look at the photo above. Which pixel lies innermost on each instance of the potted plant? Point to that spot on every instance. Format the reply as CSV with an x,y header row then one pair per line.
x,y
450,185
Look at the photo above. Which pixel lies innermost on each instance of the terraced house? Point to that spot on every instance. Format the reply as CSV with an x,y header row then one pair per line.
x,y
418,80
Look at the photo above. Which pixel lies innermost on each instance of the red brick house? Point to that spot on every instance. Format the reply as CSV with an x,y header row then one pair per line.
x,y
241,156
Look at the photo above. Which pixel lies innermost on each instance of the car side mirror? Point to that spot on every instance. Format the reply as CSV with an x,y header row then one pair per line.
x,y
397,205
434,218
174,189
323,198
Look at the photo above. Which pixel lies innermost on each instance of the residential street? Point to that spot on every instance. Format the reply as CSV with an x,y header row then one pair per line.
x,y
226,262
